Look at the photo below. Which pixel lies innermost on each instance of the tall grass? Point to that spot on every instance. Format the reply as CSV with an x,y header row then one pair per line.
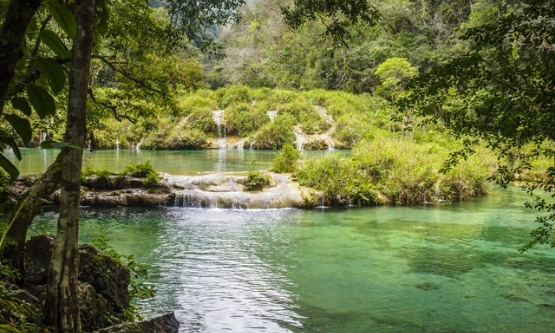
x,y
397,170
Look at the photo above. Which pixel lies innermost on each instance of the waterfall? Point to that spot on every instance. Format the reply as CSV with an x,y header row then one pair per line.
x,y
329,142
117,142
218,117
241,144
42,137
300,139
139,144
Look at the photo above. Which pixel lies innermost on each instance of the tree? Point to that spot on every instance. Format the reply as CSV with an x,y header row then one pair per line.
x,y
61,309
62,302
501,91
395,73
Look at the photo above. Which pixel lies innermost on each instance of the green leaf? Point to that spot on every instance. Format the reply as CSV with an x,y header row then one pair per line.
x,y
21,126
64,17
42,101
8,166
102,17
53,72
9,140
54,43
20,103
32,28
47,144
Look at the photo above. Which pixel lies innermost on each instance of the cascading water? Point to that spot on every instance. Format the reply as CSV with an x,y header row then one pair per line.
x,y
328,141
218,117
299,138
139,144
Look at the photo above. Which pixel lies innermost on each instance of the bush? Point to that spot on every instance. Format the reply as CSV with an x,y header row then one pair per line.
x,y
141,170
231,95
256,180
286,160
401,170
273,135
194,102
242,119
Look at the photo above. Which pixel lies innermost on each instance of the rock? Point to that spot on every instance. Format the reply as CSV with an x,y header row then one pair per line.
x,y
163,324
108,277
37,258
103,282
209,190
94,309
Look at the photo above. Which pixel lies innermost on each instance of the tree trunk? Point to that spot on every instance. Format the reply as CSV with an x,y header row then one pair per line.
x,y
62,306
12,37
29,206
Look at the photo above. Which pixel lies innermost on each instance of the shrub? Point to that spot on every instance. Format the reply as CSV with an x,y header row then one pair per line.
x,y
273,135
193,102
256,180
231,95
400,169
286,160
242,119
141,170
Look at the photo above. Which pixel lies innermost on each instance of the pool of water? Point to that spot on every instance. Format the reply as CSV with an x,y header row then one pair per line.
x,y
177,162
452,268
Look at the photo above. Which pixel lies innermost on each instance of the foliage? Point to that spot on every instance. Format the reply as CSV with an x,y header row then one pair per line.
x,y
397,170
139,273
256,180
352,13
244,118
275,134
141,170
501,91
394,74
286,160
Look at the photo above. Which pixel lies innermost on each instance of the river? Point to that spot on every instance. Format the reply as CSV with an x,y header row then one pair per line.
x,y
449,268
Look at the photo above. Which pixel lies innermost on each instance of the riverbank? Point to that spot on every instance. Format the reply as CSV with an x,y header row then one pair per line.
x,y
216,190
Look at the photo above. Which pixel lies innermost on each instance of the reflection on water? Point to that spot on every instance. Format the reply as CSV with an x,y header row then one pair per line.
x,y
177,162
452,268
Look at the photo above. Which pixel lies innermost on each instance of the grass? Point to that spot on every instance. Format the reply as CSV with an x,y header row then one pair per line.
x,y
395,169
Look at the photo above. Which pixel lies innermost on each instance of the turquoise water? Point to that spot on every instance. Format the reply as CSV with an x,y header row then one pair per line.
x,y
178,162
453,268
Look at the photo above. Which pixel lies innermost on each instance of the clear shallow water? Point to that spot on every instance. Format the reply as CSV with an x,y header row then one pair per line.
x,y
177,162
452,268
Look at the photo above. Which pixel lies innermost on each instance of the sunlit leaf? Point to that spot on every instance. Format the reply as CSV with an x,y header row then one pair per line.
x,y
54,42
8,166
53,72
20,103
21,126
64,17
41,100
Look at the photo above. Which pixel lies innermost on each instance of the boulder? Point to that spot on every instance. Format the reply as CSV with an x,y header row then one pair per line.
x,y
163,324
38,251
103,282
107,276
